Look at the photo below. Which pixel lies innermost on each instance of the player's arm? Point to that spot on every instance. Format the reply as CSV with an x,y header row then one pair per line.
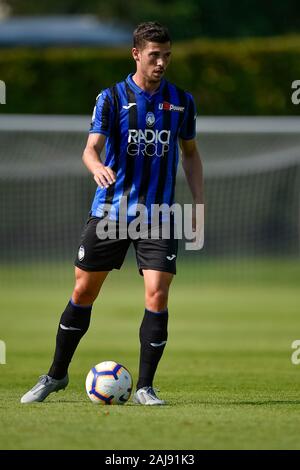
x,y
103,175
192,166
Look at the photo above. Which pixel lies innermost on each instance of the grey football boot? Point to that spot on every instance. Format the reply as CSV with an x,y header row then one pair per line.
x,y
147,396
43,388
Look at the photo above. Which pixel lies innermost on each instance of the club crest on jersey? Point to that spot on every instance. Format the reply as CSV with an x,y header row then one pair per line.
x,y
150,119
81,253
165,106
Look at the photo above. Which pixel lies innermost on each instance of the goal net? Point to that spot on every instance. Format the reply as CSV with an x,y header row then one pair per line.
x,y
252,189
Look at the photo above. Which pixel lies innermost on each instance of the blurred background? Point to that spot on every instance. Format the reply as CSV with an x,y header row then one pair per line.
x,y
238,59
235,304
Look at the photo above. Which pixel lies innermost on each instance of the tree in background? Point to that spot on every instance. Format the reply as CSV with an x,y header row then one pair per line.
x,y
186,18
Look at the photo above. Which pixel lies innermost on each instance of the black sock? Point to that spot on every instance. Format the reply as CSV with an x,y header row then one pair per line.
x,y
154,329
73,324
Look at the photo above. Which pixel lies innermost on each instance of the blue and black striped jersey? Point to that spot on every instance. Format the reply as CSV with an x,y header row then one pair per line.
x,y
142,133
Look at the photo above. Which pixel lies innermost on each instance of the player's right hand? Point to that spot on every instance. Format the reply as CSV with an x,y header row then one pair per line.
x,y
104,176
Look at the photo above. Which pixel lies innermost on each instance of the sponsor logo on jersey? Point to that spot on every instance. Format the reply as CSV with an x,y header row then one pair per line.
x,y
165,106
148,142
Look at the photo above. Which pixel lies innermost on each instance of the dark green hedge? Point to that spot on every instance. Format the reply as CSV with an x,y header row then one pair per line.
x,y
249,77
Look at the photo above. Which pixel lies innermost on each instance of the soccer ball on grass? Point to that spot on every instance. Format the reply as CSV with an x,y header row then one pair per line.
x,y
109,383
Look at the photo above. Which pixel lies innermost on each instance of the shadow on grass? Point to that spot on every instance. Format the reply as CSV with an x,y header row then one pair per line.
x,y
172,403
241,402
264,402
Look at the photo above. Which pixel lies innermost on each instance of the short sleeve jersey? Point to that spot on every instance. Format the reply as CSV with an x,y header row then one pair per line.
x,y
142,133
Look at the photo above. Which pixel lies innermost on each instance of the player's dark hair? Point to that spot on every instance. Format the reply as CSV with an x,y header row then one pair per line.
x,y
150,31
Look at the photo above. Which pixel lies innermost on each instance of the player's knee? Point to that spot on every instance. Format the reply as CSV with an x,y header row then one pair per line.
x,y
84,294
157,299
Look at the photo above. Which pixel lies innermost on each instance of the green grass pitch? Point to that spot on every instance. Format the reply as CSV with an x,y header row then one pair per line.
x,y
226,372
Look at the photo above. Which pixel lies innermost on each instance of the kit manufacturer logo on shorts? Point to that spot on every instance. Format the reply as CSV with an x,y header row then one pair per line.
x,y
81,253
165,106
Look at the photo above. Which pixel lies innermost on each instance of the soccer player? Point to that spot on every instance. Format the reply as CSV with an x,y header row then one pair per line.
x,y
140,121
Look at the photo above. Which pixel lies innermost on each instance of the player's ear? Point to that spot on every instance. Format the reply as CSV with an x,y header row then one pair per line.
x,y
135,54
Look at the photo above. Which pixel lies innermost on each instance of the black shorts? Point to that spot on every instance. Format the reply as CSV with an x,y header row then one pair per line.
x,y
95,254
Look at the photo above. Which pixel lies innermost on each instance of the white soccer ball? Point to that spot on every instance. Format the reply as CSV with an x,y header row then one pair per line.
x,y
109,383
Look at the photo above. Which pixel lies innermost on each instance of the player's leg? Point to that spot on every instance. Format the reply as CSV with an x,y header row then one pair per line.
x,y
153,333
73,324
75,319
95,258
156,260
154,326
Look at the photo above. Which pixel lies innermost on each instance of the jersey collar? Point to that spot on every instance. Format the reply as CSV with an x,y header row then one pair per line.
x,y
139,90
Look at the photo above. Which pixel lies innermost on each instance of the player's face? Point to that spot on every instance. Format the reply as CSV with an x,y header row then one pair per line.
x,y
153,60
